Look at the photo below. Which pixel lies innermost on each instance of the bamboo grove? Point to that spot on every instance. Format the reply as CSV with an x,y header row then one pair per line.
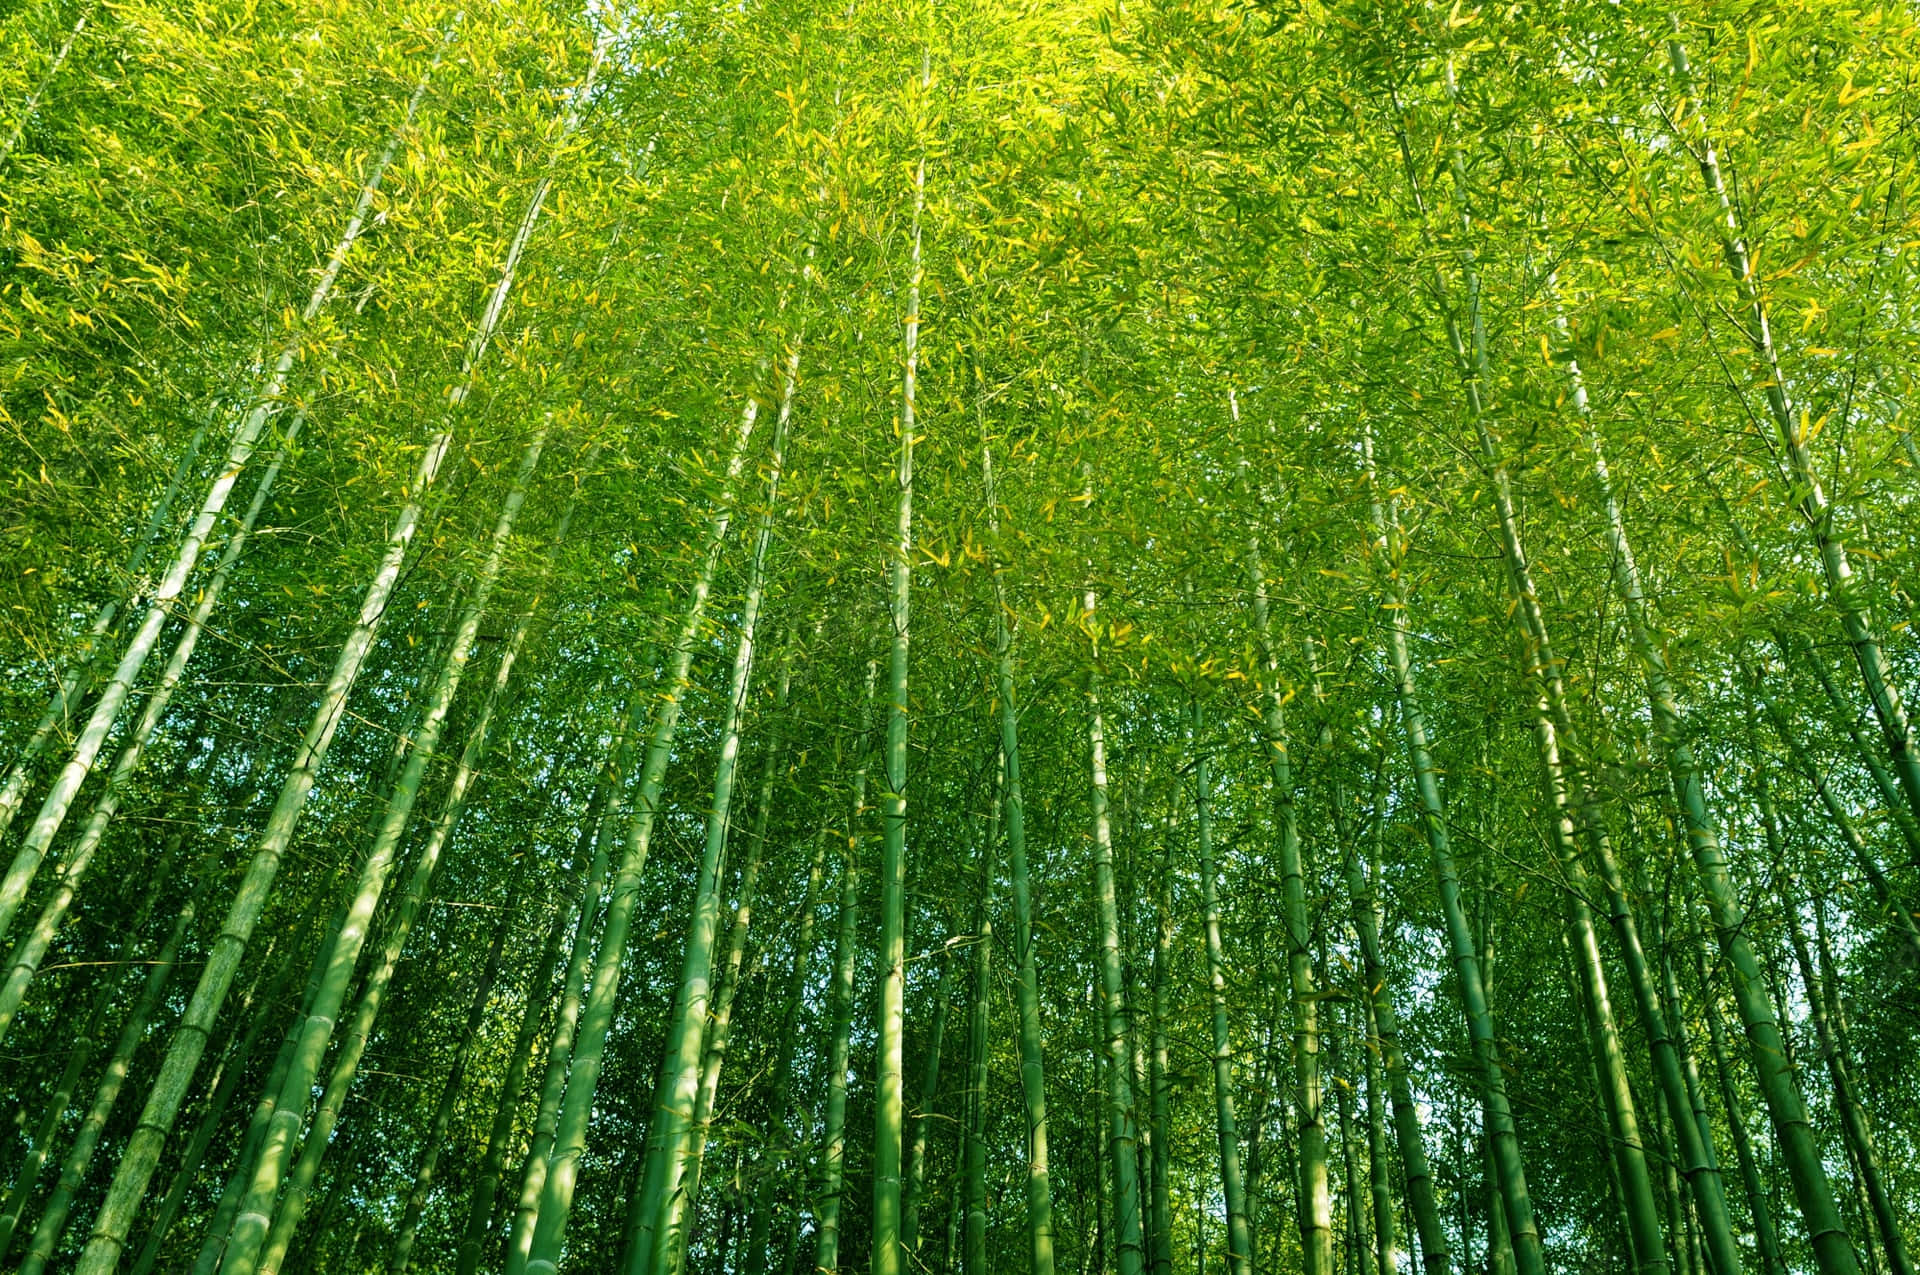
x,y
945,635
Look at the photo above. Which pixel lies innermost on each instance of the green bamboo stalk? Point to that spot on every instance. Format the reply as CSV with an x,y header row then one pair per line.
x,y
70,688
1629,1153
86,1141
973,1170
720,1025
566,1017
1499,1240
1765,1237
1854,1126
142,1153
1239,1246
1697,1159
833,1133
670,1139
161,602
406,913
889,1092
1379,1175
1316,1198
916,1150
409,1230
543,1245
80,1052
1552,724
1896,908
1159,1080
1603,1097
250,1230
225,1084
781,1114
1492,1079
1033,1087
1359,1253
1139,1008
1696,1100
1798,652
228,1206
24,961
486,1189
1567,804
31,107
1808,494
1122,1120
1785,1107
1422,1202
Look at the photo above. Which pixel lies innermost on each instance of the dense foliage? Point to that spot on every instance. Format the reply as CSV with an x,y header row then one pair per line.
x,y
1186,636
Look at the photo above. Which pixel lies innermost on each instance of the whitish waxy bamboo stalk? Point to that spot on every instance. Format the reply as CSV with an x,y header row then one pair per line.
x,y
24,960
1226,1121
71,686
890,1084
833,1132
1525,1235
670,1139
162,601
545,1238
